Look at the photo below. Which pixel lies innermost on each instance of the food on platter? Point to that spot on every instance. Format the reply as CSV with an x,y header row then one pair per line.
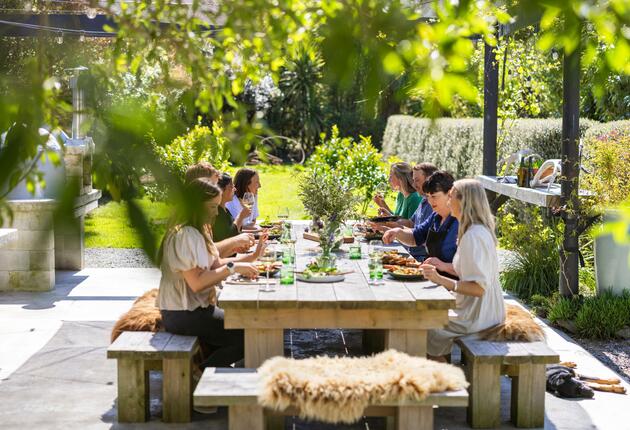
x,y
313,269
399,260
404,272
273,267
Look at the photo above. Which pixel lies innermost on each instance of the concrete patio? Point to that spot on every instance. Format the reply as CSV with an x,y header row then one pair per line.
x,y
54,374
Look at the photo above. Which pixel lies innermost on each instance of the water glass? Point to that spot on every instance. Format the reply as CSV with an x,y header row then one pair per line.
x,y
355,251
287,275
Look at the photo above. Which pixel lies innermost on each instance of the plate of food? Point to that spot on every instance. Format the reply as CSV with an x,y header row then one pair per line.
x,y
273,268
373,235
397,259
384,218
404,273
315,273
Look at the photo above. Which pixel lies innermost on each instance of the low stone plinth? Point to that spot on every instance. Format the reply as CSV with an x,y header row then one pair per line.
x,y
28,262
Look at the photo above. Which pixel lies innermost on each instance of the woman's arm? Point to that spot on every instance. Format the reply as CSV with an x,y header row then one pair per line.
x,y
441,265
231,244
467,288
199,279
249,258
404,235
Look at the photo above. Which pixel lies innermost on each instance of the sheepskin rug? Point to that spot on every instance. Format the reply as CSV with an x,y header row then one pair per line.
x,y
337,390
519,326
144,315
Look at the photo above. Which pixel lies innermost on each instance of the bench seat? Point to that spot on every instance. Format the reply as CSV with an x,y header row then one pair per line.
x,y
138,353
238,389
524,362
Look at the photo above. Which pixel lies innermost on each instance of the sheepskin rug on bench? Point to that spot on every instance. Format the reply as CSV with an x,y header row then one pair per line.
x,y
519,326
144,315
337,390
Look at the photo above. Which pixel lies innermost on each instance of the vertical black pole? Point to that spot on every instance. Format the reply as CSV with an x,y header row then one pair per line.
x,y
570,172
490,104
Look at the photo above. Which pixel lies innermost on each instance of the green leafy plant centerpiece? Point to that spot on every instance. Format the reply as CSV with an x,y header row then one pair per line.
x,y
329,201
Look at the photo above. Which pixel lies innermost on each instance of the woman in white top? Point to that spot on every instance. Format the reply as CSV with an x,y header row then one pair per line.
x,y
191,268
246,180
479,300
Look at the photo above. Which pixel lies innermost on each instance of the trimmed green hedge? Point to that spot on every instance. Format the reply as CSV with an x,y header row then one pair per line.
x,y
456,144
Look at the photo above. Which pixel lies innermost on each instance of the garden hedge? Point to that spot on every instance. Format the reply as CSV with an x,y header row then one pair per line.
x,y
455,144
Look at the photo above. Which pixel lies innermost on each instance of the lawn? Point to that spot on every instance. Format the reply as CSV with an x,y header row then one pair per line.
x,y
108,226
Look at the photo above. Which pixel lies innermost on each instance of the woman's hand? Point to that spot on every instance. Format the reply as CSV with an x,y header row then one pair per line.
x,y
244,241
377,226
390,235
437,263
243,214
262,243
384,212
379,200
248,270
430,272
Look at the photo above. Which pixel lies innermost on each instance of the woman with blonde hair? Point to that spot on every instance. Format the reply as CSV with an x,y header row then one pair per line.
x,y
407,200
479,300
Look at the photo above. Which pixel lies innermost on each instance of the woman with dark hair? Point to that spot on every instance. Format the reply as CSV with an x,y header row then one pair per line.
x,y
407,200
246,180
439,231
191,269
225,226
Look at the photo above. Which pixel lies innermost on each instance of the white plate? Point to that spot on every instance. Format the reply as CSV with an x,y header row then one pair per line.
x,y
320,279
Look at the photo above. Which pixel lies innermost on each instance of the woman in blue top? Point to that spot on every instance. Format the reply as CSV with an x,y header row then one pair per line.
x,y
438,232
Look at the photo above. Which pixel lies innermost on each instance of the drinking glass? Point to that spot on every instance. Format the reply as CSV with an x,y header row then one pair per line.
x,y
268,257
283,214
375,247
248,200
355,251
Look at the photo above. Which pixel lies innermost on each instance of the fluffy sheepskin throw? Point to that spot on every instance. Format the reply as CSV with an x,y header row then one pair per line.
x,y
518,326
337,390
143,316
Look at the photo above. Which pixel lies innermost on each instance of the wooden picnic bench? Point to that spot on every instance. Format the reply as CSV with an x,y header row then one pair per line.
x,y
138,353
524,363
238,390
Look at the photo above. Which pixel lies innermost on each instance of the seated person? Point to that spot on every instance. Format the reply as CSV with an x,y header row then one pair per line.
x,y
203,169
407,200
439,231
479,300
246,184
191,269
225,226
421,173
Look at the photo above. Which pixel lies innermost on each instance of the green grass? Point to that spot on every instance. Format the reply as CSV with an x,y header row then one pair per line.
x,y
109,226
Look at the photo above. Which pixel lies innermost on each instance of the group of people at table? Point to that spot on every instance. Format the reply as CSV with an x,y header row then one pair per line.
x,y
446,224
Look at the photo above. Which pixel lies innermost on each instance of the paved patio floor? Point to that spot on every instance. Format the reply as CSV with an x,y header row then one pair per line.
x,y
54,373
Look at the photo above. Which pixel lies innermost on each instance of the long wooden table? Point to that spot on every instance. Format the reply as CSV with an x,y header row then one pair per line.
x,y
403,310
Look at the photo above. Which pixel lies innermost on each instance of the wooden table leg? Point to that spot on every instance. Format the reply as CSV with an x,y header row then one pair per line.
x,y
133,391
261,344
177,390
414,417
528,396
412,342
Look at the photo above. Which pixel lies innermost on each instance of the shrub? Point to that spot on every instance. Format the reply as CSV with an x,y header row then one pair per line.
x,y
457,144
534,268
607,158
199,144
602,316
357,165
563,309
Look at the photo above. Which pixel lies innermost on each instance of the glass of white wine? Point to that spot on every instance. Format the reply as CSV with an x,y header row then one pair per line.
x,y
248,200
268,258
283,214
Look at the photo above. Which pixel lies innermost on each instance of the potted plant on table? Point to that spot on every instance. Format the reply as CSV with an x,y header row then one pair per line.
x,y
329,203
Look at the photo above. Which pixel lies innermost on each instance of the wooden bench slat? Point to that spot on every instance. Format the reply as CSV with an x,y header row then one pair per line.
x,y
180,346
508,353
226,387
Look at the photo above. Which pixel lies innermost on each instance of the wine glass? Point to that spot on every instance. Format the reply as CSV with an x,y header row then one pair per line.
x,y
381,189
268,257
248,200
283,214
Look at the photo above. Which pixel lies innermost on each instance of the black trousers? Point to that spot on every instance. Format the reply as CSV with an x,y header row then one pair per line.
x,y
207,324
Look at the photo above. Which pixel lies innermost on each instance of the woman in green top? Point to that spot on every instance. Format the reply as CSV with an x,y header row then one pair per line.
x,y
407,200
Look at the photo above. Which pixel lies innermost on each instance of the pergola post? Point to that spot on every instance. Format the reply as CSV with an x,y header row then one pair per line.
x,y
490,109
569,282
